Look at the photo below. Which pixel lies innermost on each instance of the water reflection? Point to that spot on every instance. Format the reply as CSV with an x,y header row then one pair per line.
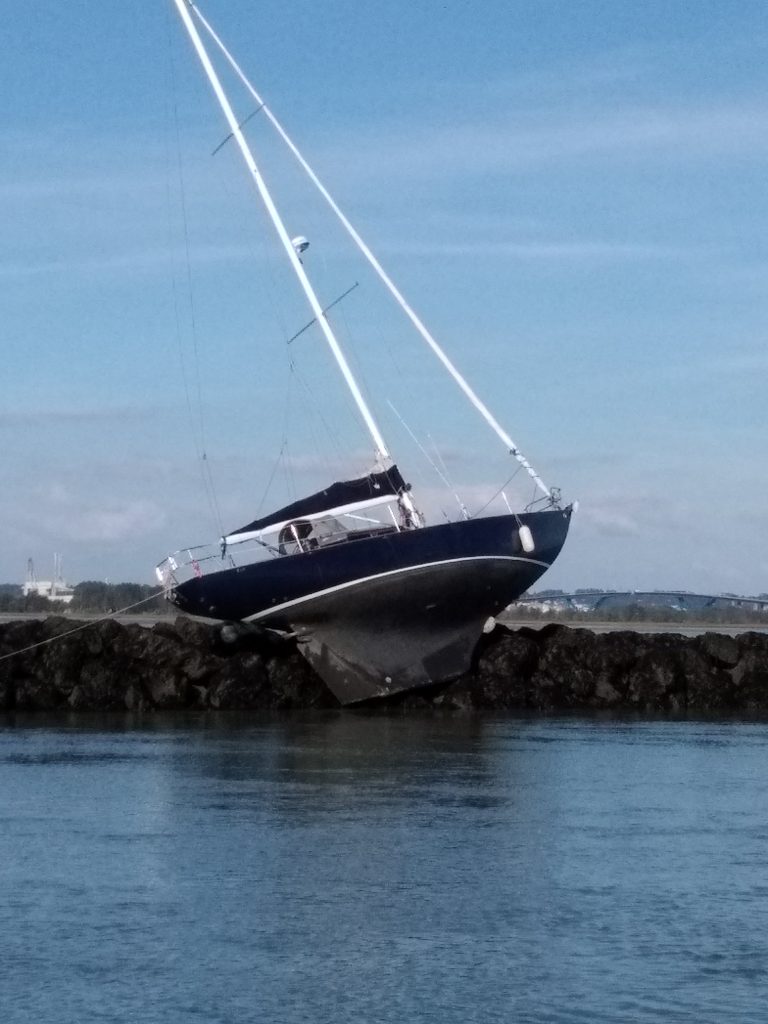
x,y
340,763
379,867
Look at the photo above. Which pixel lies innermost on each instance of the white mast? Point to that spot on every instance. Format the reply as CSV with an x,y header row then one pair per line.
x,y
382,452
395,292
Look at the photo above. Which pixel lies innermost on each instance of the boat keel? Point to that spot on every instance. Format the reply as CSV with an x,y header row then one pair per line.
x,y
359,666
403,632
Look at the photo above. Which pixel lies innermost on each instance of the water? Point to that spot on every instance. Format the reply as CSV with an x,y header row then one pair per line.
x,y
383,869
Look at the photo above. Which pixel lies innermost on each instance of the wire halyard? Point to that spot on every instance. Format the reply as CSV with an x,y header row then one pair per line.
x,y
196,416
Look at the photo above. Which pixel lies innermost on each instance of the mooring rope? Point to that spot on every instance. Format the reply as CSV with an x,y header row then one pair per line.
x,y
78,629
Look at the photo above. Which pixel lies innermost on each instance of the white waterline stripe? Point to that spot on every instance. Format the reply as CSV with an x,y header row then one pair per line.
x,y
390,572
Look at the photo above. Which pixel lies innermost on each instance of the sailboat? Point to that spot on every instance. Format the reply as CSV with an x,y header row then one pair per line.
x,y
380,600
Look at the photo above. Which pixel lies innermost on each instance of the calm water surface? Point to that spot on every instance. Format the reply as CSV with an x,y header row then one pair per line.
x,y
383,869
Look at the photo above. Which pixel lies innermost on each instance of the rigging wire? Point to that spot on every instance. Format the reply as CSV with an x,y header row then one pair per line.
x,y
355,347
197,420
331,434
320,315
388,282
345,404
275,466
275,296
425,453
439,457
264,254
543,500
496,495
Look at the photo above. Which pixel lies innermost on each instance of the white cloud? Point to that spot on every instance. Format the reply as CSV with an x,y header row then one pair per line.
x,y
52,417
517,141
58,509
125,258
101,524
614,520
543,249
738,363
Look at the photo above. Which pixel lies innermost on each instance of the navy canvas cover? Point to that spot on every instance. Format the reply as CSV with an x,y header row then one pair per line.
x,y
344,492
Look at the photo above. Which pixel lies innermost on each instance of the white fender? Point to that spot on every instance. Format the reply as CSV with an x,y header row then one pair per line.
x,y
526,539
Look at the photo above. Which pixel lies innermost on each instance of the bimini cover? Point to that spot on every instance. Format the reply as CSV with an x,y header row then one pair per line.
x,y
344,492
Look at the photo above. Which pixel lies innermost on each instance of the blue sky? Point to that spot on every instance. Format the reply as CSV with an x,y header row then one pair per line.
x,y
573,196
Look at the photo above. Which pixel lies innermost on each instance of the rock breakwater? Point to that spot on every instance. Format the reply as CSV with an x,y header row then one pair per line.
x,y
188,664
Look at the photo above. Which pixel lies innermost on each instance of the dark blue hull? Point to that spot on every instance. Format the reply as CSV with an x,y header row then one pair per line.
x,y
387,612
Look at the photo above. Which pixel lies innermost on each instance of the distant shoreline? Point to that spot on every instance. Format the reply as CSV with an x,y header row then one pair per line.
x,y
690,627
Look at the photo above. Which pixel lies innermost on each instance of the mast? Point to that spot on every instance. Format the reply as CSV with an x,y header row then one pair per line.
x,y
476,401
381,449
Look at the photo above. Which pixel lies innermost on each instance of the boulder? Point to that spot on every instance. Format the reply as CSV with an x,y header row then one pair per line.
x,y
501,675
750,681
720,648
53,663
239,683
293,684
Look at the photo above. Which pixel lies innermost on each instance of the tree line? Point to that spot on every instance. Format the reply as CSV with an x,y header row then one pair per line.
x,y
643,613
88,596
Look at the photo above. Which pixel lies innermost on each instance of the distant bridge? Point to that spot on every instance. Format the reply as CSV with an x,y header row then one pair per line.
x,y
676,600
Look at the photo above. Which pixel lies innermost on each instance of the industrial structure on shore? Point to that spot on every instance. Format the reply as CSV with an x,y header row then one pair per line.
x,y
54,589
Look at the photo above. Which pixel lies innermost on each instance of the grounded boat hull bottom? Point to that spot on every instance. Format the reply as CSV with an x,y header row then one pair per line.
x,y
387,614
403,631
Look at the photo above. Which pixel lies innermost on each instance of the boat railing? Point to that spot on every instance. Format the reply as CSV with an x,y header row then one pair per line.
x,y
299,537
